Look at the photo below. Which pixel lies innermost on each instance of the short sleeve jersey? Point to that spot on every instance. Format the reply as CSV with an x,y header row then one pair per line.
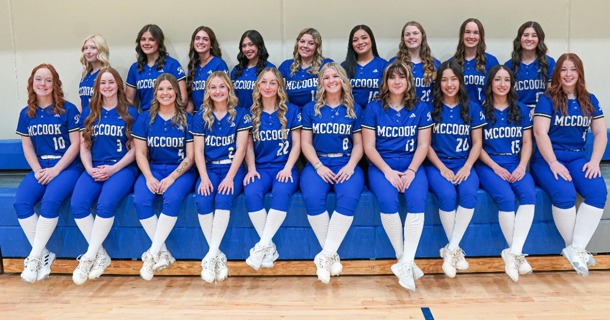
x,y
529,83
302,86
244,84
201,75
272,145
503,138
451,137
423,90
166,141
367,80
144,82
85,89
474,80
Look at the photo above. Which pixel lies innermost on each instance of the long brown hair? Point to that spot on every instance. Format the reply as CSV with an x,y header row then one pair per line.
x,y
425,54
409,97
58,93
179,118
559,97
460,52
95,107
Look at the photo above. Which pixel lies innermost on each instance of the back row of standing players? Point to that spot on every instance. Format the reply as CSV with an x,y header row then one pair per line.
x,y
529,62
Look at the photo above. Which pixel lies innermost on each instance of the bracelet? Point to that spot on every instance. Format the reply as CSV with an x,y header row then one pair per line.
x,y
409,169
317,165
521,168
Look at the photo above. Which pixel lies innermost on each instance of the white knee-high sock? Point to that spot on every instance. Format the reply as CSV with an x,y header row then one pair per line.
x,y
587,221
219,227
507,225
101,228
319,224
164,227
448,222
44,230
337,229
393,228
150,227
414,225
565,219
523,223
462,220
29,227
205,222
258,218
273,223
85,225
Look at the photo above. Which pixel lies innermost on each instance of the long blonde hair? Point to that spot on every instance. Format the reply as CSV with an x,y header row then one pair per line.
x,y
179,118
208,103
347,99
280,103
317,55
102,53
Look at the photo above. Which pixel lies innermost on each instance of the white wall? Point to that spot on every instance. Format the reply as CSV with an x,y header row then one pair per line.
x,y
33,32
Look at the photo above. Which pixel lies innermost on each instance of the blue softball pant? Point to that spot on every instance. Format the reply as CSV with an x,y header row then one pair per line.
x,y
388,196
280,191
503,192
314,190
172,198
215,200
562,192
108,193
448,193
30,192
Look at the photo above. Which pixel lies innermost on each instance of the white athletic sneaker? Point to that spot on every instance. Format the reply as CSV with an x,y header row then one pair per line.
x,y
404,272
511,265
165,260
46,261
417,272
270,256
449,261
81,273
257,255
336,267
590,259
461,263
30,269
221,271
102,261
578,259
524,266
322,262
208,266
148,261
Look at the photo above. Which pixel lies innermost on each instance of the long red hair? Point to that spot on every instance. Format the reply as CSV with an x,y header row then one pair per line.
x,y
58,93
560,97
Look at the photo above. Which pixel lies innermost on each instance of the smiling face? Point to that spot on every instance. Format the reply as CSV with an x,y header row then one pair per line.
x,y
43,83
412,37
249,49
361,42
148,43
219,90
202,42
331,80
268,85
529,39
397,84
568,76
450,84
471,35
500,85
90,51
306,46
165,94
108,86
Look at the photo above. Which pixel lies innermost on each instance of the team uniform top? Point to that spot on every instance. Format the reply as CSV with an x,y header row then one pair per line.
x,y
272,146
108,139
529,85
201,75
503,139
144,82
49,132
244,85
367,80
422,91
567,133
396,132
166,142
301,88
220,141
475,80
85,89
451,136
332,131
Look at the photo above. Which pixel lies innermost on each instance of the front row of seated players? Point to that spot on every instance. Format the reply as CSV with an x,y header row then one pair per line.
x,y
398,133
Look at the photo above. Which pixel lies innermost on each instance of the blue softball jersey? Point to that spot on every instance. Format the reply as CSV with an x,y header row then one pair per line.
x,y
166,141
201,76
144,82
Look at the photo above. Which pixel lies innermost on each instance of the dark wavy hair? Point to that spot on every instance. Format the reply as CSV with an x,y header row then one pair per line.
x,y
194,56
97,100
58,93
541,50
409,98
351,59
263,55
559,97
460,51
514,112
437,93
157,34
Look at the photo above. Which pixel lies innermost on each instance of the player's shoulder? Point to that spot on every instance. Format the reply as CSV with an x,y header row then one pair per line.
x,y
70,107
286,64
269,65
309,107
